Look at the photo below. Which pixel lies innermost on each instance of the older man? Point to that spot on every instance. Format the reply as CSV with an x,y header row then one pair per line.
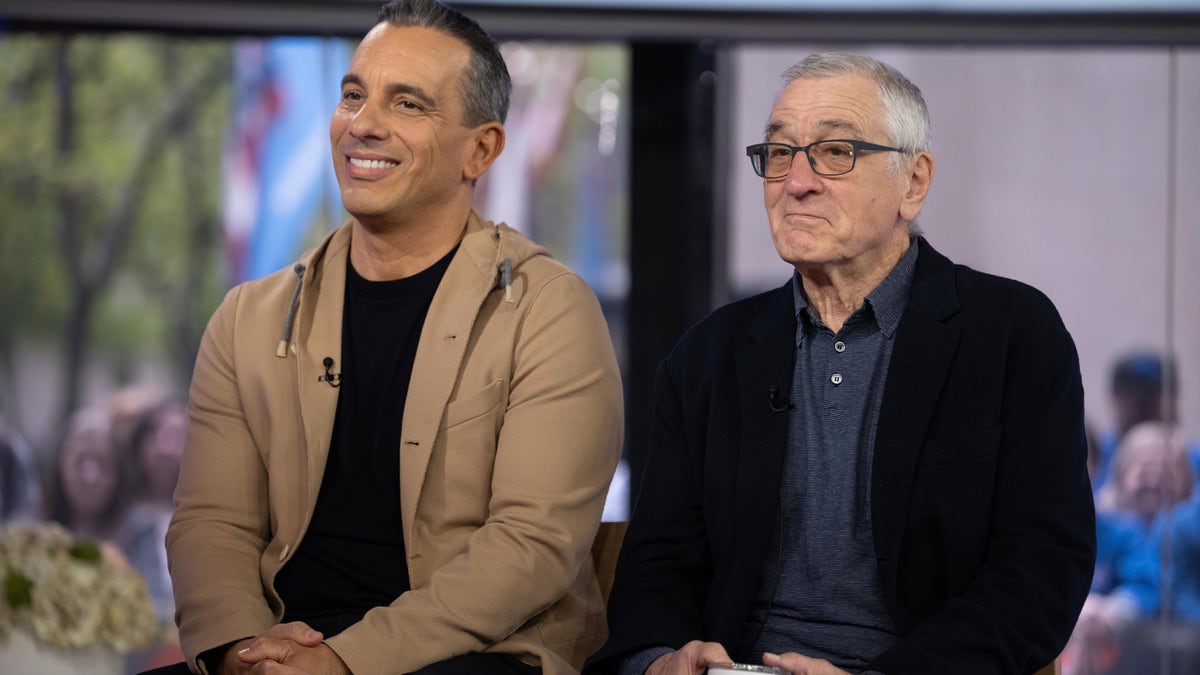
x,y
398,451
878,467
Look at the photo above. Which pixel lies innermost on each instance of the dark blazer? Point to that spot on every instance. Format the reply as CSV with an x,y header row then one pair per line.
x,y
982,511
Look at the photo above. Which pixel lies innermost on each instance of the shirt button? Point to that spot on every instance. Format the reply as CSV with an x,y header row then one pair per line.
x,y
836,379
839,346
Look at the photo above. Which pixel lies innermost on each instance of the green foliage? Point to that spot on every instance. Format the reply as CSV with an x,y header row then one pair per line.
x,y
80,114
18,589
85,550
31,286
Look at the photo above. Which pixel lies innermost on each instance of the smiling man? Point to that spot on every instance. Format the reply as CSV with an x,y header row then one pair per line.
x,y
398,450
878,467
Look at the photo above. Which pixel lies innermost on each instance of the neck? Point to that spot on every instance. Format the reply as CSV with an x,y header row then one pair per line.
x,y
835,291
88,526
397,252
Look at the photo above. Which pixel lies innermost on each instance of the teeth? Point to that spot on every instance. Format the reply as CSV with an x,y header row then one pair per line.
x,y
372,163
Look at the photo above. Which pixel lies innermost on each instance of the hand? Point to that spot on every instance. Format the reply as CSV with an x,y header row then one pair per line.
x,y
285,648
802,665
1093,645
690,659
281,657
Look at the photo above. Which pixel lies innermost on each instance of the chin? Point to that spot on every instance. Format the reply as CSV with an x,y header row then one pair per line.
x,y
363,208
797,255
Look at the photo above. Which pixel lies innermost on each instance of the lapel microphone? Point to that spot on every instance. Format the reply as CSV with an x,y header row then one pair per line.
x,y
777,401
332,379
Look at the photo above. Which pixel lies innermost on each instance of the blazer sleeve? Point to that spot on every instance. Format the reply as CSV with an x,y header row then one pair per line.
x,y
664,572
221,526
1018,604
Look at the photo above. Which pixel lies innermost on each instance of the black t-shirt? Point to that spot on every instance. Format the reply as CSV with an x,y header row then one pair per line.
x,y
352,556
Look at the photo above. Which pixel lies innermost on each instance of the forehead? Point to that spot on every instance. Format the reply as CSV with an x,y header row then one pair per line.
x,y
812,106
1147,453
86,441
403,53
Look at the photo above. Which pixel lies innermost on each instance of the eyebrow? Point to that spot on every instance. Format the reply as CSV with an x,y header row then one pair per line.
x,y
824,126
395,89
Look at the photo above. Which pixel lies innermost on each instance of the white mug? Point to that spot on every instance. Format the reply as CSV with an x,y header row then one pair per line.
x,y
739,668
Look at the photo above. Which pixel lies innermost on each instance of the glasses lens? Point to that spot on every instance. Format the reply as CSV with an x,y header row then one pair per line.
x,y
778,160
770,160
756,154
759,159
831,158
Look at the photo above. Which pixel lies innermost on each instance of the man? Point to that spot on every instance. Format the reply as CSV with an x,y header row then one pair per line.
x,y
880,466
1144,387
409,479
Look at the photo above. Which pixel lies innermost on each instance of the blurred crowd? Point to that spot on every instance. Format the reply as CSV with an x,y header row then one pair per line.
x,y
110,478
1147,577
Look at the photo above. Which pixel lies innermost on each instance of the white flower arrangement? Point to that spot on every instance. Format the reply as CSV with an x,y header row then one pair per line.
x,y
71,592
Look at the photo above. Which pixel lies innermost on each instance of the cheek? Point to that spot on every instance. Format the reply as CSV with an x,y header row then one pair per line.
x,y
338,124
772,193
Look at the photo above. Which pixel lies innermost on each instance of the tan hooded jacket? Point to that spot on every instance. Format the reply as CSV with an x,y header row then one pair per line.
x,y
512,428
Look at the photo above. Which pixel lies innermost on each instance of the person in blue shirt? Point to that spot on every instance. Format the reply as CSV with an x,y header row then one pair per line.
x,y
1144,387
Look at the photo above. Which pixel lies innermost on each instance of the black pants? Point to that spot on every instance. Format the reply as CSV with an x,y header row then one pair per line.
x,y
483,664
467,664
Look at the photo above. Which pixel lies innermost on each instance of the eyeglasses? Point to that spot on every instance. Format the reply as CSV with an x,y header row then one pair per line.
x,y
827,158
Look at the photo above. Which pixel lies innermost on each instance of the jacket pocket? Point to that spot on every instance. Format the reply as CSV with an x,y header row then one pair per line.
x,y
475,405
960,448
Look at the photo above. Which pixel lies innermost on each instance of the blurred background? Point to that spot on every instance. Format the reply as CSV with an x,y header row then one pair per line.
x,y
153,153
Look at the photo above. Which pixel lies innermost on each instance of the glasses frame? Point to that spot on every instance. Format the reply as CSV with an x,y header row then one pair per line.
x,y
858,146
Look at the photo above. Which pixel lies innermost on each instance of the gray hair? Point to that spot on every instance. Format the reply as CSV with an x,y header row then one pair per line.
x,y
905,116
486,85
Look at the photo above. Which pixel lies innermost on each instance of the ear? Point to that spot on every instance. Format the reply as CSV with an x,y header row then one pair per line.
x,y
488,143
920,175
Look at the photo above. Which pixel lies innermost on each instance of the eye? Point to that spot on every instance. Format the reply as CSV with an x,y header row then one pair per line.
x,y
775,150
409,105
351,95
836,149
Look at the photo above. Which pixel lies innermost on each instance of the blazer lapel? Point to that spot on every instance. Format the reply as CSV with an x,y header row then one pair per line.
x,y
469,279
921,358
320,322
764,362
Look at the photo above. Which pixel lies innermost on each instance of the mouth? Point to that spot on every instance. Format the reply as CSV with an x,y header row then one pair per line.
x,y
373,164
368,166
802,218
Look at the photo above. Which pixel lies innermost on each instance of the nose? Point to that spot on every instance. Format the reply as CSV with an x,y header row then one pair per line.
x,y
800,178
366,123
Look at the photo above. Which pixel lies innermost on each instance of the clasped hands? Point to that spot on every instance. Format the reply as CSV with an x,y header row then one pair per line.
x,y
285,649
694,657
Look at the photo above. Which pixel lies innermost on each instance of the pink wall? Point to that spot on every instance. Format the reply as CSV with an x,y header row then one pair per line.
x,y
1051,169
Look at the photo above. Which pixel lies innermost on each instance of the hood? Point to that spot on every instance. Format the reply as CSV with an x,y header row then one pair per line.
x,y
492,252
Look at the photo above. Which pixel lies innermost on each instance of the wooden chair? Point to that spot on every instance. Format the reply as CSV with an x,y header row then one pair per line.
x,y
607,546
1052,669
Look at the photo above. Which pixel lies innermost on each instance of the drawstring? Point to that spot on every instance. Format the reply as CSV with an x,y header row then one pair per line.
x,y
281,348
506,280
505,267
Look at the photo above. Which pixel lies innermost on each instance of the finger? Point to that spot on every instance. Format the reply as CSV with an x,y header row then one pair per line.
x,y
798,664
274,668
265,649
296,631
710,652
690,659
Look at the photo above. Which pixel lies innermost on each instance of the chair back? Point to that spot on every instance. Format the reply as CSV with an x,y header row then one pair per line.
x,y
1052,669
605,548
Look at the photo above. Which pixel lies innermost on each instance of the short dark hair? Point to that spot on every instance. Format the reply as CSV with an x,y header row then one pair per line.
x,y
1143,374
486,85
